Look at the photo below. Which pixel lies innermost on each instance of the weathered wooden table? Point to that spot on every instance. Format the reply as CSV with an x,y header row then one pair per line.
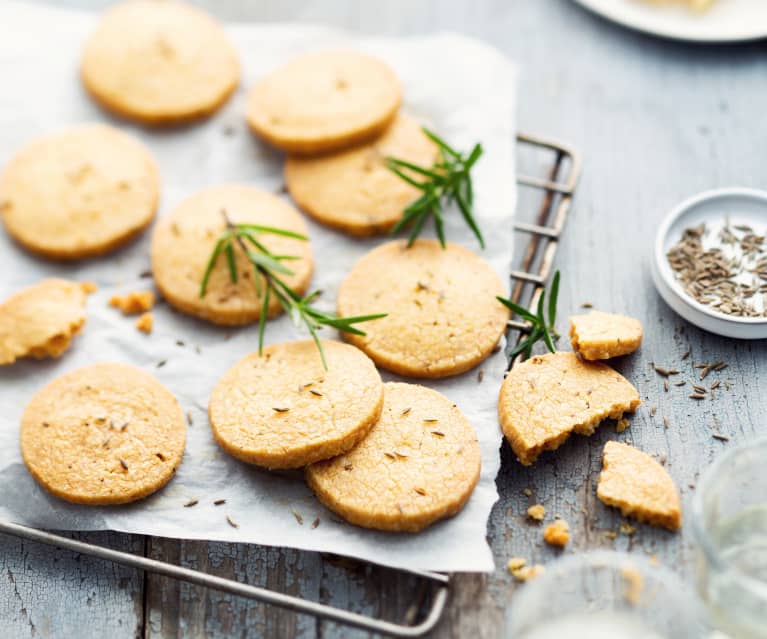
x,y
655,121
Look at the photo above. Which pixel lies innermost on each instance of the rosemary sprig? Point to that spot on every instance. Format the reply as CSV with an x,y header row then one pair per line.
x,y
269,266
539,327
446,182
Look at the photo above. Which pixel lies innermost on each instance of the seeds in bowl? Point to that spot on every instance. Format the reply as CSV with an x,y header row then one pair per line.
x,y
723,266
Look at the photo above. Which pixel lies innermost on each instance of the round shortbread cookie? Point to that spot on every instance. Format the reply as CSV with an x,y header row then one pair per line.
x,y
354,190
325,101
282,409
41,320
78,193
183,241
443,317
419,464
159,62
104,434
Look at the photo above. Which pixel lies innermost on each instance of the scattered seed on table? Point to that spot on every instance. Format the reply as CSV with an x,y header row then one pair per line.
x,y
192,502
298,517
231,522
315,523
219,502
720,437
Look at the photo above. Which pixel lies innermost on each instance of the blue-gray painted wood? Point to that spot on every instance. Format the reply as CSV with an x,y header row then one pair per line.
x,y
656,121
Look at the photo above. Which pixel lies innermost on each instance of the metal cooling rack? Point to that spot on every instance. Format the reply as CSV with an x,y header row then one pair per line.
x,y
558,187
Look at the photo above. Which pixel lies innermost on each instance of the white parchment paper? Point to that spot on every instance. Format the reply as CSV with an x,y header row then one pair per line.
x,y
462,88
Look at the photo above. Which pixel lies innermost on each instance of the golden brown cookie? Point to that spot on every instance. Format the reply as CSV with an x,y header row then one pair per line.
x,y
354,190
324,101
419,464
183,241
104,434
598,335
159,62
547,397
639,486
282,409
80,192
41,320
443,317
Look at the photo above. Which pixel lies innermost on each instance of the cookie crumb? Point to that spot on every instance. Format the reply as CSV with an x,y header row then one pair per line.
x,y
536,512
521,571
145,323
133,303
622,425
515,563
627,529
557,534
633,584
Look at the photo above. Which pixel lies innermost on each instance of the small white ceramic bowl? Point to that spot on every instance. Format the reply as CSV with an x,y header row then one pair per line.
x,y
743,206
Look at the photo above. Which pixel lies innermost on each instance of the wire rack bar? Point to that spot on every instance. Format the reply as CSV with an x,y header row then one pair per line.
x,y
545,233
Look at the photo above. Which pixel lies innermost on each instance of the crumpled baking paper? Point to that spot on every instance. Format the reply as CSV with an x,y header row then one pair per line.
x,y
460,87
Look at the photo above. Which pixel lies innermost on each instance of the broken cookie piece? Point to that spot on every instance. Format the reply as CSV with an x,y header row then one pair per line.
x,y
639,486
41,320
598,335
134,302
547,397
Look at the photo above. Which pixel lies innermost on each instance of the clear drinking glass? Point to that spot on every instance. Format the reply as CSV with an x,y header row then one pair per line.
x,y
729,518
604,595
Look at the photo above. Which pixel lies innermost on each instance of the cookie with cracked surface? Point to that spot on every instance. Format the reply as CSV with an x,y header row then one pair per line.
x,y
324,101
282,409
547,397
80,192
183,241
104,434
443,318
354,190
639,486
598,335
419,464
41,320
159,62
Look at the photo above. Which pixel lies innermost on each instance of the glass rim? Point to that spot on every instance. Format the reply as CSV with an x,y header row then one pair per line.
x,y
701,534
613,560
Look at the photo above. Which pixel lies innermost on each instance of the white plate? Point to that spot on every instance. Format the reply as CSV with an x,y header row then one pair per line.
x,y
742,206
725,21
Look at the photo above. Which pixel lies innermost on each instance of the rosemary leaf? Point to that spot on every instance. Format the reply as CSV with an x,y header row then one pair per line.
x,y
268,267
446,182
539,328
